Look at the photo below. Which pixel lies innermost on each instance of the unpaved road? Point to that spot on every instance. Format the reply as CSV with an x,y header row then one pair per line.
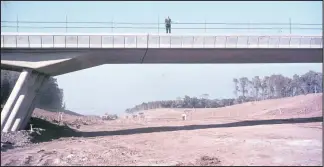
x,y
163,139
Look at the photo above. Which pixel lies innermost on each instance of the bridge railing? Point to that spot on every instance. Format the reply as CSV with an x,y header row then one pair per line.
x,y
156,41
69,25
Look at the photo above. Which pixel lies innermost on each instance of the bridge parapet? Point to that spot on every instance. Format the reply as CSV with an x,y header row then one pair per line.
x,y
28,40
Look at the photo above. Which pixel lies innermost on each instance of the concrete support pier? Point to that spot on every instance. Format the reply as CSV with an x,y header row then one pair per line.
x,y
21,102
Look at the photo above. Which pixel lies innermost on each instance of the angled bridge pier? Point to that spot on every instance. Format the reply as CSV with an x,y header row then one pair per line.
x,y
21,102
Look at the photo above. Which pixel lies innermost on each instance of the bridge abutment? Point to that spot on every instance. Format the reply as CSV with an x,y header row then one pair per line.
x,y
21,102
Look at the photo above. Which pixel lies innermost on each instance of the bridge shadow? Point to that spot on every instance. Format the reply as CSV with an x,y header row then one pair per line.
x,y
52,131
196,127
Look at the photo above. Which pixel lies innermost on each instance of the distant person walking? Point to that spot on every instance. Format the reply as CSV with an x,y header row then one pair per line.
x,y
168,25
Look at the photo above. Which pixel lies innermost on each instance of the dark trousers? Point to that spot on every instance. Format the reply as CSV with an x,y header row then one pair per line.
x,y
168,28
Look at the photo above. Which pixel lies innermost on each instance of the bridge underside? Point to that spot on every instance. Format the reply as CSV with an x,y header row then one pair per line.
x,y
60,61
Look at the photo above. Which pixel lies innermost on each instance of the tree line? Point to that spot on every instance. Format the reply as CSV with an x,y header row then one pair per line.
x,y
49,97
246,90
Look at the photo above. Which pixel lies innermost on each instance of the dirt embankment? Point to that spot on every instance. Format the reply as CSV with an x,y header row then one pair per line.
x,y
47,126
66,119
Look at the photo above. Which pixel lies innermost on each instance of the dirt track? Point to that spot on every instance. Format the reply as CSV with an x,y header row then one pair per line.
x,y
259,133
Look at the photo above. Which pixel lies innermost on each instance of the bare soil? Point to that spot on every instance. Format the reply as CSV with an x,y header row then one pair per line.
x,y
272,132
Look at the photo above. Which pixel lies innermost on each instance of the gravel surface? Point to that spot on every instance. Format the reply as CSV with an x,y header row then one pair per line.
x,y
11,140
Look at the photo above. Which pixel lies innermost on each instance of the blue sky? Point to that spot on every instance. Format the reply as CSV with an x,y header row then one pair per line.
x,y
106,90
152,12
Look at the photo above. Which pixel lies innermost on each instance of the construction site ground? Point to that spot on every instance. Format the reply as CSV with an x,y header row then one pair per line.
x,y
284,131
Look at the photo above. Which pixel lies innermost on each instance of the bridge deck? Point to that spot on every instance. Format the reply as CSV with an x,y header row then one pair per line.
x,y
78,40
56,54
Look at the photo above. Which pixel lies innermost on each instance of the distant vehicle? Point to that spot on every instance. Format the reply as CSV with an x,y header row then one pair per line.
x,y
109,117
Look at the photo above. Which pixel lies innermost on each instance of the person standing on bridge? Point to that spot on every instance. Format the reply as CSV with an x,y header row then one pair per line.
x,y
168,25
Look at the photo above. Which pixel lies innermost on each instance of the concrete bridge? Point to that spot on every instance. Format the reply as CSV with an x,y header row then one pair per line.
x,y
41,55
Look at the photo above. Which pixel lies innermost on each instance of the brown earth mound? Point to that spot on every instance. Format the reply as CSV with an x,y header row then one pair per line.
x,y
66,119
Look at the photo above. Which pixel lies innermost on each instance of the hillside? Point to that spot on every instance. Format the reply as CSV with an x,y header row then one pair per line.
x,y
72,113
291,107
